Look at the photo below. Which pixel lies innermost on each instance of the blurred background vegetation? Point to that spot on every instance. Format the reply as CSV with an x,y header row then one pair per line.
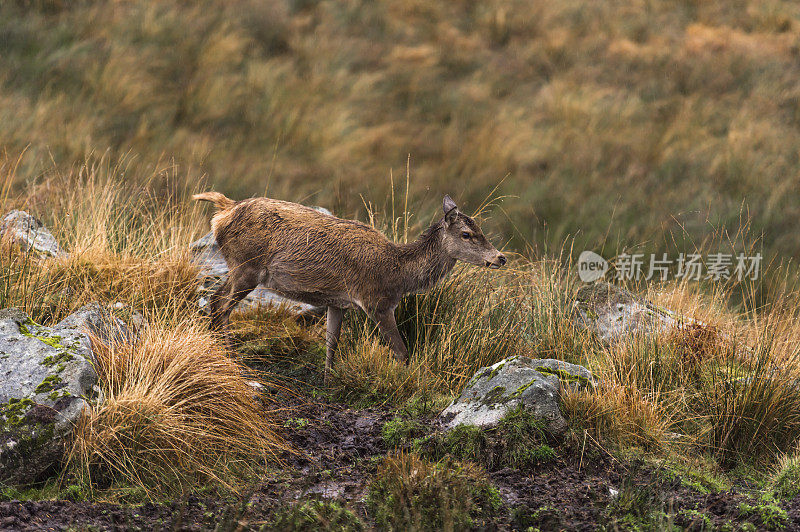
x,y
616,122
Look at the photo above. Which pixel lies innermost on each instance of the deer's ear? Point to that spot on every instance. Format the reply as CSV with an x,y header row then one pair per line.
x,y
448,204
450,209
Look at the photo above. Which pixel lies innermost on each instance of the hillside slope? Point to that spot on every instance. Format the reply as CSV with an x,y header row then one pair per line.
x,y
618,119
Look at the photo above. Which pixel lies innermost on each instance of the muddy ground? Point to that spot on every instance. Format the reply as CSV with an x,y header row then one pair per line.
x,y
338,446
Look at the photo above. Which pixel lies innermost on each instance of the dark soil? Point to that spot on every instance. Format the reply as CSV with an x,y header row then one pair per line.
x,y
338,446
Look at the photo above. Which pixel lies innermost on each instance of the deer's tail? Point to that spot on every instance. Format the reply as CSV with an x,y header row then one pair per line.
x,y
219,200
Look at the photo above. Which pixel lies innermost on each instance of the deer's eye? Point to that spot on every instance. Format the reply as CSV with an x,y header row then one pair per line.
x,y
465,235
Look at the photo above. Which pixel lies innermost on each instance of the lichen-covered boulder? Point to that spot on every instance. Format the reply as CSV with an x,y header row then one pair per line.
x,y
214,270
536,384
613,314
30,234
46,381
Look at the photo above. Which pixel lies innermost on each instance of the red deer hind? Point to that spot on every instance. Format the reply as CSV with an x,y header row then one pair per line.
x,y
322,260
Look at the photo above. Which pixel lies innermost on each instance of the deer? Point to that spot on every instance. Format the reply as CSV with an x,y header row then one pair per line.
x,y
319,259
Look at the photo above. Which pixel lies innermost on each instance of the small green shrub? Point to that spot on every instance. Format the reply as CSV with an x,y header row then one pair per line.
x,y
785,483
770,515
398,431
544,518
410,493
316,515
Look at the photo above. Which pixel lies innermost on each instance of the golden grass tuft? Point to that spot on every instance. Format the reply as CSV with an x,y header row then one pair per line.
x,y
177,412
411,493
618,416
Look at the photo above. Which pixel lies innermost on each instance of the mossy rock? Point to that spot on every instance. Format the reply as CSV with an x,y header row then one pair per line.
x,y
517,381
46,380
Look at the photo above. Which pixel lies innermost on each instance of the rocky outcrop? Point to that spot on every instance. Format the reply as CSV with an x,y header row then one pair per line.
x,y
46,380
214,271
613,314
30,235
532,383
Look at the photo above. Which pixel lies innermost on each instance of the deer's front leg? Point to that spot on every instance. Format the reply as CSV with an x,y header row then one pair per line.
x,y
389,329
334,328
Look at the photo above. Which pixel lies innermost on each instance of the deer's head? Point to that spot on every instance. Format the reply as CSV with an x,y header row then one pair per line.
x,y
463,240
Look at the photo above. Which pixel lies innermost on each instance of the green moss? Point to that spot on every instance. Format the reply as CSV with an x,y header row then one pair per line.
x,y
13,412
48,384
316,515
24,327
55,395
495,395
521,390
562,375
52,341
496,370
58,359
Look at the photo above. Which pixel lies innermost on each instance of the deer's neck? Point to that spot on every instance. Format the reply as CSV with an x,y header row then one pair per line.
x,y
424,262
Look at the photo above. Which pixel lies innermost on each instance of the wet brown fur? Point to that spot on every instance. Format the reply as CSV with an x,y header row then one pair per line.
x,y
326,261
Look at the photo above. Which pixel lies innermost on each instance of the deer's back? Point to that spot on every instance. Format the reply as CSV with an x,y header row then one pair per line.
x,y
303,250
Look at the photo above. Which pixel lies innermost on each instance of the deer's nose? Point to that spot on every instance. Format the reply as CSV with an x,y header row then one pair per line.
x,y
501,259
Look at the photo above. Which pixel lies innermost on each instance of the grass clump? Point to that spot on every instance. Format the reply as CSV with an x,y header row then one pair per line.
x,y
124,243
177,412
309,516
785,481
410,493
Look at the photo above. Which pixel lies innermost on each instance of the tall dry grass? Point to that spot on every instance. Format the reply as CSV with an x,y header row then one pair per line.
x,y
725,387
177,413
125,242
614,120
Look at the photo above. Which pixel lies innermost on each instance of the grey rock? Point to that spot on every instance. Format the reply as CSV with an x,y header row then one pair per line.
x,y
100,322
46,380
613,313
214,271
30,234
536,384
